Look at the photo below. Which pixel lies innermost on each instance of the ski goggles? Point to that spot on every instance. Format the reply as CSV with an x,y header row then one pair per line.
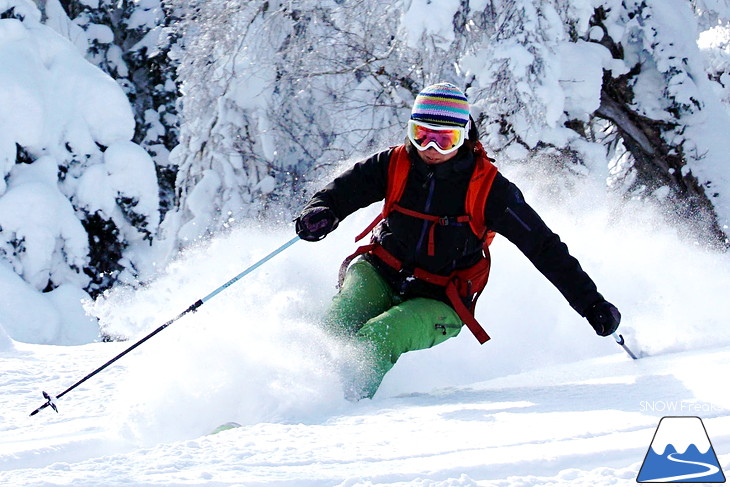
x,y
444,139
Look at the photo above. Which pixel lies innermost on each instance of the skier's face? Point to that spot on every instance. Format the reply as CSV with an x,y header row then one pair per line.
x,y
432,156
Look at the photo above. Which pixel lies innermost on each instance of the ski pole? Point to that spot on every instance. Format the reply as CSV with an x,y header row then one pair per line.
x,y
620,340
50,400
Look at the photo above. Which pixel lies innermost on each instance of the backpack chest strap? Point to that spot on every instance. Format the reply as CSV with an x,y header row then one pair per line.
x,y
435,220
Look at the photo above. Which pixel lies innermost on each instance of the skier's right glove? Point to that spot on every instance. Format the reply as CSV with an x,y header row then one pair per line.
x,y
315,223
603,317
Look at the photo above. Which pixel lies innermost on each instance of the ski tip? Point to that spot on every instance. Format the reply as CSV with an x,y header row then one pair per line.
x,y
224,427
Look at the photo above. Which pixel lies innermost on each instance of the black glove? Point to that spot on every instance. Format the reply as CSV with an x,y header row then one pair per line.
x,y
603,317
315,223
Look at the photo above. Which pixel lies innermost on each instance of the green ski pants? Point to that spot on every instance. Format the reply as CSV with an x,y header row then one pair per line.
x,y
367,309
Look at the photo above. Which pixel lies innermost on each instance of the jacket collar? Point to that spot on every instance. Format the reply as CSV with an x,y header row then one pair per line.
x,y
460,165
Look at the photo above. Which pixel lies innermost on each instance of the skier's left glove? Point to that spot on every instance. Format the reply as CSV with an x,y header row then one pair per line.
x,y
603,317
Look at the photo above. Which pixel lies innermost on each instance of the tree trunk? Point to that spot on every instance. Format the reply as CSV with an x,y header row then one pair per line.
x,y
656,164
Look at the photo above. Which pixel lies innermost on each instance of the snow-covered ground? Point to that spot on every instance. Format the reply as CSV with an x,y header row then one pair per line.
x,y
586,423
546,402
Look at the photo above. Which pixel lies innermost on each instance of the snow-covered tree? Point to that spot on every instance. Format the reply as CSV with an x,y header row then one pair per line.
x,y
130,40
274,91
614,85
666,113
78,199
152,86
269,89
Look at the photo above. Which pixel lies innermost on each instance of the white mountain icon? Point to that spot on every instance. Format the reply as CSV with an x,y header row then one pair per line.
x,y
681,432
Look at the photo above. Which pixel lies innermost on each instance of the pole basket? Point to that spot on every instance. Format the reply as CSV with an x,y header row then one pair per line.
x,y
50,401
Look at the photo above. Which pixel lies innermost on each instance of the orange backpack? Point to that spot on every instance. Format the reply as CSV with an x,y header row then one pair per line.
x,y
462,286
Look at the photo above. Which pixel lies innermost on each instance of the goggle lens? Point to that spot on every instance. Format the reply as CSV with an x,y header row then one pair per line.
x,y
443,139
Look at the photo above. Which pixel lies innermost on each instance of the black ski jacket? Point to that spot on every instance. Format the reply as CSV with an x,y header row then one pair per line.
x,y
441,190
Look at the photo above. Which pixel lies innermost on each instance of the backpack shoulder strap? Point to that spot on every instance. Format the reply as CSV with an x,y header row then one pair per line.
x,y
476,195
398,168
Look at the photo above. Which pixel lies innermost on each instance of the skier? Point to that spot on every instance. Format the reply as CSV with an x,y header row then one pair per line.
x,y
415,285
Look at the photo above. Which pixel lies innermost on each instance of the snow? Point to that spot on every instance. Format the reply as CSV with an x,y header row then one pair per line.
x,y
201,201
583,76
35,213
21,118
77,327
100,33
578,424
426,19
90,90
26,315
147,15
6,343
266,185
132,174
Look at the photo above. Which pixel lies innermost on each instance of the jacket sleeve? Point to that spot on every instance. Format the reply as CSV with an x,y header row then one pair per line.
x,y
358,187
508,214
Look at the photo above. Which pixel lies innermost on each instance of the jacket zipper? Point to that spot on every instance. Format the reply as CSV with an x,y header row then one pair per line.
x,y
431,181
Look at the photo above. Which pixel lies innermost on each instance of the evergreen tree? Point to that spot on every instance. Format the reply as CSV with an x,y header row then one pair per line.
x,y
80,199
131,40
153,88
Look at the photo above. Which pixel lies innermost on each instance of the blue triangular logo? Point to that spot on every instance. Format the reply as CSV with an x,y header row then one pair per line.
x,y
681,452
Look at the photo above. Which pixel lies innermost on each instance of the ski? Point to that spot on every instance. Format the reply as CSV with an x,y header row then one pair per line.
x,y
225,427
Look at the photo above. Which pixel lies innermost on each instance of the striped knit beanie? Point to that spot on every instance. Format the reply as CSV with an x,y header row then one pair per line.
x,y
441,104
